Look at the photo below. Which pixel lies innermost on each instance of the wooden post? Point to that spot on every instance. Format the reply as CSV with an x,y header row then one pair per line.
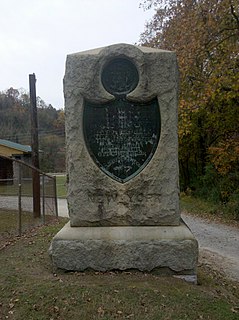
x,y
35,148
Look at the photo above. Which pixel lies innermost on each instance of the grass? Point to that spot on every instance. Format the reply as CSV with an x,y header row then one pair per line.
x,y
9,225
13,189
31,289
205,209
61,186
26,187
9,220
197,205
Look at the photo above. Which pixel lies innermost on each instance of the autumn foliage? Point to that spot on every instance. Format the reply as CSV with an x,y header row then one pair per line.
x,y
205,36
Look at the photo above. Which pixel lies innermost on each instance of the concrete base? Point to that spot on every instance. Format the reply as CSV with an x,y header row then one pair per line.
x,y
120,248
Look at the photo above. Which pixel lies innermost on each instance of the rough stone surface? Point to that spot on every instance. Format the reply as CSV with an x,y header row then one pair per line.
x,y
142,248
125,224
151,197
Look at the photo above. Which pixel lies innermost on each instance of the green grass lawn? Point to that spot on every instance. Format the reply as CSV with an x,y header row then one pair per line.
x,y
205,209
12,189
9,226
197,205
61,186
31,289
9,220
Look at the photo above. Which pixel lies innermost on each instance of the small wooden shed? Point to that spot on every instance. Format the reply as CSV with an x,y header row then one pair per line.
x,y
15,151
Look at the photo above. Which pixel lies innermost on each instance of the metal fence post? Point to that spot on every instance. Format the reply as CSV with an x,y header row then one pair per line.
x,y
55,196
43,199
19,200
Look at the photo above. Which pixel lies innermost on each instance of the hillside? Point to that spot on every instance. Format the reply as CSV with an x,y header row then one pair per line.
x,y
15,125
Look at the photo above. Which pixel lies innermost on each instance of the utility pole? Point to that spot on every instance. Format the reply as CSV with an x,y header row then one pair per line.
x,y
35,148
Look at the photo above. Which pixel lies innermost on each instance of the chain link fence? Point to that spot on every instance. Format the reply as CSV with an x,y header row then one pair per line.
x,y
17,198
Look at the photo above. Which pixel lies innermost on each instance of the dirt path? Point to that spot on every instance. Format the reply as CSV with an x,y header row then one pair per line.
x,y
218,243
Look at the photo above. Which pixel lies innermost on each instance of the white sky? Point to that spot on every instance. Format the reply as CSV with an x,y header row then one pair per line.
x,y
36,36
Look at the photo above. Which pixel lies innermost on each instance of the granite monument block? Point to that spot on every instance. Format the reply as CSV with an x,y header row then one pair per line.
x,y
122,163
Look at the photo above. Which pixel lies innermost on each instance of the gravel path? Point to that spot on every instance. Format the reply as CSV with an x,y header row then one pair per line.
x,y
218,243
11,202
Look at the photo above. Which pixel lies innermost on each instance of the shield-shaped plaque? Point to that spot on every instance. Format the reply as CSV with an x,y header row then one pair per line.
x,y
121,136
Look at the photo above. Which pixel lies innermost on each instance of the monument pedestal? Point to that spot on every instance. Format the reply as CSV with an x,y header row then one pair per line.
x,y
162,248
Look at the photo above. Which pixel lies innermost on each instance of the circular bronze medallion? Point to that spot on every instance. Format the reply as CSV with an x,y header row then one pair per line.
x,y
120,76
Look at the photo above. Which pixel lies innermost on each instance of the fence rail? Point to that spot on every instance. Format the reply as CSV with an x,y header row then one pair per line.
x,y
17,197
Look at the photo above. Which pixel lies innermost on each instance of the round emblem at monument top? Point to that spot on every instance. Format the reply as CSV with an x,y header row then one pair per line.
x,y
119,76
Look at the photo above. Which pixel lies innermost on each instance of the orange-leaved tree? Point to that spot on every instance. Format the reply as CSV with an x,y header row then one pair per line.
x,y
205,36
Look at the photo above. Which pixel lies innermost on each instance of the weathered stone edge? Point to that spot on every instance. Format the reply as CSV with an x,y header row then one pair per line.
x,y
178,254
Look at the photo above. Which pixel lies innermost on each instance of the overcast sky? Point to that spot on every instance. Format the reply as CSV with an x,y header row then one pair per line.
x,y
36,36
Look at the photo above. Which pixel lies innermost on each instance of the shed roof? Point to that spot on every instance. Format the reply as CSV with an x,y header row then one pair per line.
x,y
16,146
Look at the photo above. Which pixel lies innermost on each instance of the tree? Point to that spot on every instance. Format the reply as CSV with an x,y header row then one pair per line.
x,y
205,36
15,126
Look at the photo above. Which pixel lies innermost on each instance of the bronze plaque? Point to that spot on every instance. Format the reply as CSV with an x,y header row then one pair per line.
x,y
121,136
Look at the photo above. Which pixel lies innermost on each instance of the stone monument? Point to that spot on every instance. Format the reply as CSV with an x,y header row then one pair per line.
x,y
122,164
